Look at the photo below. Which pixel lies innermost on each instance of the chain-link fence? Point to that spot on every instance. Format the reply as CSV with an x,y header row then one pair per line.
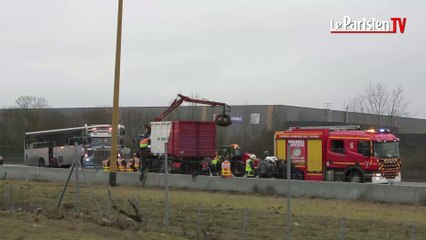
x,y
224,222
217,215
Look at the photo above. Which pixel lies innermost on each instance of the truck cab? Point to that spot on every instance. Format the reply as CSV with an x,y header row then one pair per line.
x,y
364,156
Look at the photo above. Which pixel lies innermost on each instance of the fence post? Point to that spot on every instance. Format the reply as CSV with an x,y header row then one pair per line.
x,y
342,229
288,191
77,182
166,183
10,201
198,222
245,224
413,232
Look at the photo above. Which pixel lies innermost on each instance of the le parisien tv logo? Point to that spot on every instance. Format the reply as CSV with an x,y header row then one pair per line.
x,y
348,25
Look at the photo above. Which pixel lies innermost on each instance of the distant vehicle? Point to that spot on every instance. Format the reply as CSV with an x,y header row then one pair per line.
x,y
55,148
1,159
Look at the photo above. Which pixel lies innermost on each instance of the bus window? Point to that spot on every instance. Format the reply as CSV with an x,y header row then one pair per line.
x,y
74,140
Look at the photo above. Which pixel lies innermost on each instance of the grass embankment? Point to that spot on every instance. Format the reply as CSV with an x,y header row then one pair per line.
x,y
28,211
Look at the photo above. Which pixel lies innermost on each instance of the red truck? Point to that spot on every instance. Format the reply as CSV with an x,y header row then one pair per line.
x,y
190,143
341,153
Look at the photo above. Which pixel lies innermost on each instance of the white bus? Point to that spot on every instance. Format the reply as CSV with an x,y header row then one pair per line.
x,y
55,148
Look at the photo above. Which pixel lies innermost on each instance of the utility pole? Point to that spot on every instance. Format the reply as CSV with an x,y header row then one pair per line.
x,y
288,190
115,110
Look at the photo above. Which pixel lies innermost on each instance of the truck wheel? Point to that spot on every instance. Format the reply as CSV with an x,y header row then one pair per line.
x,y
163,170
238,169
161,167
355,177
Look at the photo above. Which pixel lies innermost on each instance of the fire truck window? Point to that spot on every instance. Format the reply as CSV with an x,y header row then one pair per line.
x,y
364,148
337,146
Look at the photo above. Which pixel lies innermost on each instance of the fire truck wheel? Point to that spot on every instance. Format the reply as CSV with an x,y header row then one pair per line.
x,y
355,177
298,175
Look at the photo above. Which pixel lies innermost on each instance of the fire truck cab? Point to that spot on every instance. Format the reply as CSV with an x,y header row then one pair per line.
x,y
341,153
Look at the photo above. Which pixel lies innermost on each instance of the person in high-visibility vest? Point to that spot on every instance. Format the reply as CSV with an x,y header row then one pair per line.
x,y
144,143
121,165
133,164
214,165
105,164
226,169
250,166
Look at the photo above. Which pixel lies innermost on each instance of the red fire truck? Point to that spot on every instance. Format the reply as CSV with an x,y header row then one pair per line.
x,y
342,153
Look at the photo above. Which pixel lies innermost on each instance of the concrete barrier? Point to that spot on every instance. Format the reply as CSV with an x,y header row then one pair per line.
x,y
331,190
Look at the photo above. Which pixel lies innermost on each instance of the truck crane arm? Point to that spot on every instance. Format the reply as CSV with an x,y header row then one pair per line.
x,y
222,120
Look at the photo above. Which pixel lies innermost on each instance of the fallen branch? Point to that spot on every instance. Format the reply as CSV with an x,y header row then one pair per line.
x,y
137,217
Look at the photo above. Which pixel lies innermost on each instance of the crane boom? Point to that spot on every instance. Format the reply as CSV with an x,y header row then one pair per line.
x,y
223,119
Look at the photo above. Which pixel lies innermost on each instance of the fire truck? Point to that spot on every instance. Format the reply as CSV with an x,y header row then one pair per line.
x,y
341,153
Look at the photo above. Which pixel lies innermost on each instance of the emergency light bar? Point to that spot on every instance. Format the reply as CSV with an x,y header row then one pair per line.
x,y
381,130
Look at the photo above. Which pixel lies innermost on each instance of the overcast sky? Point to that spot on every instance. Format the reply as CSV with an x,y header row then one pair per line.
x,y
235,51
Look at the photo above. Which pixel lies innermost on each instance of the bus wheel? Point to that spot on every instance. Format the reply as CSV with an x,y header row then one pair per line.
x,y
355,177
41,162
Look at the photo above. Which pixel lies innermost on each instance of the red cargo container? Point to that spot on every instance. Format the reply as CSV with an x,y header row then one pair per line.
x,y
192,139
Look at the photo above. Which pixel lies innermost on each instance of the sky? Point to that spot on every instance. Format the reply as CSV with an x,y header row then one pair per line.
x,y
236,51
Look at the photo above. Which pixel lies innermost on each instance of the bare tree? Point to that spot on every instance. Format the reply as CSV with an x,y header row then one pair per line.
x,y
26,102
30,108
386,106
